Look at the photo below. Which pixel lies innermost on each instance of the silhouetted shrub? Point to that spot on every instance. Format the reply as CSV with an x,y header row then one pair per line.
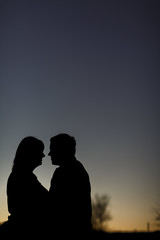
x,y
100,212
157,215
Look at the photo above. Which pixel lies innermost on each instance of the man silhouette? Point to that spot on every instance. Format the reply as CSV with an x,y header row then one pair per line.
x,y
70,190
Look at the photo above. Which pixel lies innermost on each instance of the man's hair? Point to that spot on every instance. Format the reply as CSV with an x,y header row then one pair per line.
x,y
64,142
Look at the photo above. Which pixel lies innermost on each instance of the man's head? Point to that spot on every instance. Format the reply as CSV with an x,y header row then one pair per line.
x,y
62,147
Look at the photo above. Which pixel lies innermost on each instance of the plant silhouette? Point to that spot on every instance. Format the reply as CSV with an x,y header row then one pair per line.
x,y
156,211
100,212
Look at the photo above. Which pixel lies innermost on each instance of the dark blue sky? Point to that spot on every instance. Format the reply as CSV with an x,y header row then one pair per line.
x,y
91,69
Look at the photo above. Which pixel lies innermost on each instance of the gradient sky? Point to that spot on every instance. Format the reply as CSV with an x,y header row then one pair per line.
x,y
90,69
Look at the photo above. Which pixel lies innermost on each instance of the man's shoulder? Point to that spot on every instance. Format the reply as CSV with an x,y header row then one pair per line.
x,y
80,169
80,166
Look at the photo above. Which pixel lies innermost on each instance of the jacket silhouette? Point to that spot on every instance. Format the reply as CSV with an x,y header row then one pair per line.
x,y
70,191
27,198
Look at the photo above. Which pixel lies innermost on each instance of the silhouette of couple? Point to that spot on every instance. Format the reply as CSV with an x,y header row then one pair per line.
x,y
64,210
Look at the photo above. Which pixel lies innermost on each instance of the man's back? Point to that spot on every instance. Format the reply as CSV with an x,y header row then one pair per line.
x,y
70,199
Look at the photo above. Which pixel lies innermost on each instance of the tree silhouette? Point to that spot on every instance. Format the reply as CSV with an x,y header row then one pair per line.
x,y
100,212
157,215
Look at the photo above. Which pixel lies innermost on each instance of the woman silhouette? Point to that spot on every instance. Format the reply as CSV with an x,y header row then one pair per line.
x,y
27,198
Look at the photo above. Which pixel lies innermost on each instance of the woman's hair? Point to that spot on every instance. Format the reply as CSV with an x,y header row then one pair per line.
x,y
27,147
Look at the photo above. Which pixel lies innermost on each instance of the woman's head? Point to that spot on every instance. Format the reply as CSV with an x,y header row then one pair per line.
x,y
29,153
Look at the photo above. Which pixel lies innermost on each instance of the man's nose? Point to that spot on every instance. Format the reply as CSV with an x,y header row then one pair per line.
x,y
49,154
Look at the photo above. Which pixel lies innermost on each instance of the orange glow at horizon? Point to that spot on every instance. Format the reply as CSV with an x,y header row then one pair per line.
x,y
119,223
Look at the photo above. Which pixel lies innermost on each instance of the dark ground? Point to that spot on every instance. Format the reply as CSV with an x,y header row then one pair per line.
x,y
99,235
126,236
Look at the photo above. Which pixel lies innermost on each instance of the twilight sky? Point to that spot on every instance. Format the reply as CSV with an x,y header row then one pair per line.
x,y
91,69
